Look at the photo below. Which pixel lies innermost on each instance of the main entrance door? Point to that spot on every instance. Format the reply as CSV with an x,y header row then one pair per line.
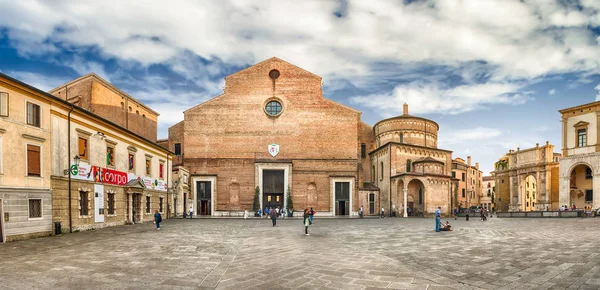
x,y
203,197
137,207
342,198
273,188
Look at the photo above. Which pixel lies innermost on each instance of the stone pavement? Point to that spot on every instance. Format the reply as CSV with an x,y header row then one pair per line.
x,y
389,253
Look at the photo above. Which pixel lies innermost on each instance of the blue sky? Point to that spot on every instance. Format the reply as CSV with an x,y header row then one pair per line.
x,y
492,73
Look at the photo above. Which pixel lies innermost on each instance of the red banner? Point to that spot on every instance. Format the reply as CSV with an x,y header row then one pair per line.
x,y
109,176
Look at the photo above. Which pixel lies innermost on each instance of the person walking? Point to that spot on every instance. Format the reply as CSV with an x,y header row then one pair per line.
x,y
311,214
306,221
360,211
191,211
467,212
382,212
273,214
267,211
438,213
482,214
157,219
455,213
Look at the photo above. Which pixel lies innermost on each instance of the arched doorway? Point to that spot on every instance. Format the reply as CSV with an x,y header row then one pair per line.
x,y
416,196
529,199
581,186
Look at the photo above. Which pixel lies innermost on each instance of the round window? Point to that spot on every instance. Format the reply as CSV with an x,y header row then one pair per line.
x,y
273,108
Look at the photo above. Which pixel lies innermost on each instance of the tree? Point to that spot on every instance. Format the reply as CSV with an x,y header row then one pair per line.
x,y
256,204
290,205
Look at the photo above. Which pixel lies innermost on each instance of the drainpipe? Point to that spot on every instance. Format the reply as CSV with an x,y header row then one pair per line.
x,y
167,170
69,161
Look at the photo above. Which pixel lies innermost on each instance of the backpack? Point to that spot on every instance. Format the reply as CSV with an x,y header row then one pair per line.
x,y
159,218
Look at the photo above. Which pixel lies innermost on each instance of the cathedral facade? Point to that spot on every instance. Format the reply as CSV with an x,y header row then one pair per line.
x,y
273,133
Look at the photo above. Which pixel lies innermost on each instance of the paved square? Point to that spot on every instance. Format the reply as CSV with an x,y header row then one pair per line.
x,y
340,254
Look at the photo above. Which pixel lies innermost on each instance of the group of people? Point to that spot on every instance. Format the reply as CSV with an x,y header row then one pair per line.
x,y
439,226
483,213
270,211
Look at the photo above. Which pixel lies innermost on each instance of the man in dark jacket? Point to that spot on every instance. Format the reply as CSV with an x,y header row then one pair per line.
x,y
273,214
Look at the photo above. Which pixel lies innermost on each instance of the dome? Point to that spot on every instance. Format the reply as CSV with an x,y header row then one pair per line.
x,y
407,129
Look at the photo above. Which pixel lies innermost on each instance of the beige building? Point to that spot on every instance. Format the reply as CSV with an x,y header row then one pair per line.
x,y
25,162
580,165
527,180
468,192
273,130
488,192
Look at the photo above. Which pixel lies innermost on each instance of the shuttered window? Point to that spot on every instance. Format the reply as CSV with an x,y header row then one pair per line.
x,y
33,114
83,148
3,104
33,160
161,168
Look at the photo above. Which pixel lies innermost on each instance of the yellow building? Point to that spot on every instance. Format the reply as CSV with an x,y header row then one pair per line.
x,y
580,164
25,163
468,192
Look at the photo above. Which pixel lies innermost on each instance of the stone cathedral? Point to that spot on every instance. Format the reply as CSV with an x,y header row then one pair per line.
x,y
272,130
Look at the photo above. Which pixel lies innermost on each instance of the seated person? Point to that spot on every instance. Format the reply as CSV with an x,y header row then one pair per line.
x,y
445,227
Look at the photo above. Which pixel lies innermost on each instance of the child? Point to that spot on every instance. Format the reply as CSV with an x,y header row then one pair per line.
x,y
157,219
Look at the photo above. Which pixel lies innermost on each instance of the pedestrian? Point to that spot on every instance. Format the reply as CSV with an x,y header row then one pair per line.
x,y
277,211
273,213
438,216
191,211
283,213
157,219
311,214
306,221
360,211
467,212
266,211
382,212
455,213
246,214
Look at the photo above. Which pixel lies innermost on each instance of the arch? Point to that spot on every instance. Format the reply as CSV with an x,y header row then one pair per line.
x,y
416,196
581,185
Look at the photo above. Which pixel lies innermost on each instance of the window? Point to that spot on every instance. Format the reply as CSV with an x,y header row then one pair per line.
x,y
408,165
161,168
83,148
83,203
273,108
147,204
178,149
363,150
33,114
122,106
581,137
589,195
111,203
401,138
463,193
453,174
131,161
381,176
148,165
420,195
160,204
35,208
588,173
463,176
373,174
3,104
110,156
502,180
33,160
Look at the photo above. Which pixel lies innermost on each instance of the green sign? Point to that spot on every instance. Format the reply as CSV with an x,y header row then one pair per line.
x,y
74,169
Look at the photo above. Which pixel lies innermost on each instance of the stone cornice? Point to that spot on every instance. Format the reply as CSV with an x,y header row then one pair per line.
x,y
35,138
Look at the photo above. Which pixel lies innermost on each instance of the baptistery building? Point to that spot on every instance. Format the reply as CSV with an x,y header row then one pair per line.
x,y
272,133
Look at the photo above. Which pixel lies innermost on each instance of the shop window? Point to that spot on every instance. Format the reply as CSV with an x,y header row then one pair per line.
x,y
83,203
110,156
83,148
33,114
3,104
147,204
111,203
35,208
33,160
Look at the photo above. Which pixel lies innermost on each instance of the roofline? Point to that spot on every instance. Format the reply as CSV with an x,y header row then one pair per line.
x,y
404,117
568,110
409,145
82,111
422,174
428,161
109,85
271,58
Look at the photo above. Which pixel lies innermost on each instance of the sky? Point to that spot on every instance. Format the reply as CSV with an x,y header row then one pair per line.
x,y
492,73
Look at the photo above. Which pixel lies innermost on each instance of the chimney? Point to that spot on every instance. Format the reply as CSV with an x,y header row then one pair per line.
x,y
477,165
469,160
405,109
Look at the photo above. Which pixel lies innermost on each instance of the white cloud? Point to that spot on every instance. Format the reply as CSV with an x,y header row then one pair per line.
x,y
42,82
468,135
598,93
430,98
552,92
